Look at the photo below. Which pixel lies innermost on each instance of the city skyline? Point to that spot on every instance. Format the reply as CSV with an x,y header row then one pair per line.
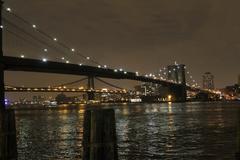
x,y
118,34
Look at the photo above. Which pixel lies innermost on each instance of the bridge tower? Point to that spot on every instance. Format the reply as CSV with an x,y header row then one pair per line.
x,y
176,73
91,87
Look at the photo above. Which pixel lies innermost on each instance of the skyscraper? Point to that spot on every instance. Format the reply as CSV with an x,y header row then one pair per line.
x,y
208,81
176,73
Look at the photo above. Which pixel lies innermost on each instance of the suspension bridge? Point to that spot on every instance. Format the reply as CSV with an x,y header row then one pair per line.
x,y
32,35
68,61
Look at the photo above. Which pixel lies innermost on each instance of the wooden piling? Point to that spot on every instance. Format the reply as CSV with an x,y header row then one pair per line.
x,y
99,135
8,137
237,155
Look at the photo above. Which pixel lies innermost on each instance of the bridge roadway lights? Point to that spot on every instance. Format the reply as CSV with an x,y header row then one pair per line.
x,y
99,135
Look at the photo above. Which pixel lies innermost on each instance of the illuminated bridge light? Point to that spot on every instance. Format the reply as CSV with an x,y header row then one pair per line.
x,y
63,58
22,56
88,58
45,50
8,9
55,39
120,69
99,66
125,72
34,26
105,66
115,70
1,26
44,59
80,64
73,50
67,61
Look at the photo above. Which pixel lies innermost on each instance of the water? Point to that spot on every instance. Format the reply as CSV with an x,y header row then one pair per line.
x,y
191,131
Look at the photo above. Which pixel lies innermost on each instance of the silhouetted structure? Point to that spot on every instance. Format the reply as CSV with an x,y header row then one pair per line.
x,y
176,73
99,135
208,81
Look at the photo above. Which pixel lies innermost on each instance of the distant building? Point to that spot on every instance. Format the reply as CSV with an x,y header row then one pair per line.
x,y
176,73
208,81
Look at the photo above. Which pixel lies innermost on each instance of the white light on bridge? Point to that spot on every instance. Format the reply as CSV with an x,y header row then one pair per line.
x,y
87,58
137,73
22,56
121,69
125,72
115,70
63,58
67,61
44,59
105,66
9,9
55,39
34,26
80,64
1,26
99,66
45,50
73,50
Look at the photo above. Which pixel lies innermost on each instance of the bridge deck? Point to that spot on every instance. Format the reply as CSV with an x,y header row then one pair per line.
x,y
32,65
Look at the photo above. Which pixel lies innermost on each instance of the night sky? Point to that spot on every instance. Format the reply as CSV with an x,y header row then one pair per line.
x,y
142,35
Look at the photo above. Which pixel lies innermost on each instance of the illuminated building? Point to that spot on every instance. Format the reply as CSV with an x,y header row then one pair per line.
x,y
208,81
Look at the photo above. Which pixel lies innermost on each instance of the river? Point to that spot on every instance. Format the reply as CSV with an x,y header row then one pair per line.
x,y
191,131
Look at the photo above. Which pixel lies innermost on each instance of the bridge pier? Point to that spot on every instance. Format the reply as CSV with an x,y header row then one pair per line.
x,y
91,87
178,93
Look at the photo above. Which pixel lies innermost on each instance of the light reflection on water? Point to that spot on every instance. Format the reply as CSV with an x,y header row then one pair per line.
x,y
145,131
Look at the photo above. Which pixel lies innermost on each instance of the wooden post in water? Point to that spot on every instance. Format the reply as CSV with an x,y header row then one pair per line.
x,y
10,135
8,144
238,138
2,103
99,135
